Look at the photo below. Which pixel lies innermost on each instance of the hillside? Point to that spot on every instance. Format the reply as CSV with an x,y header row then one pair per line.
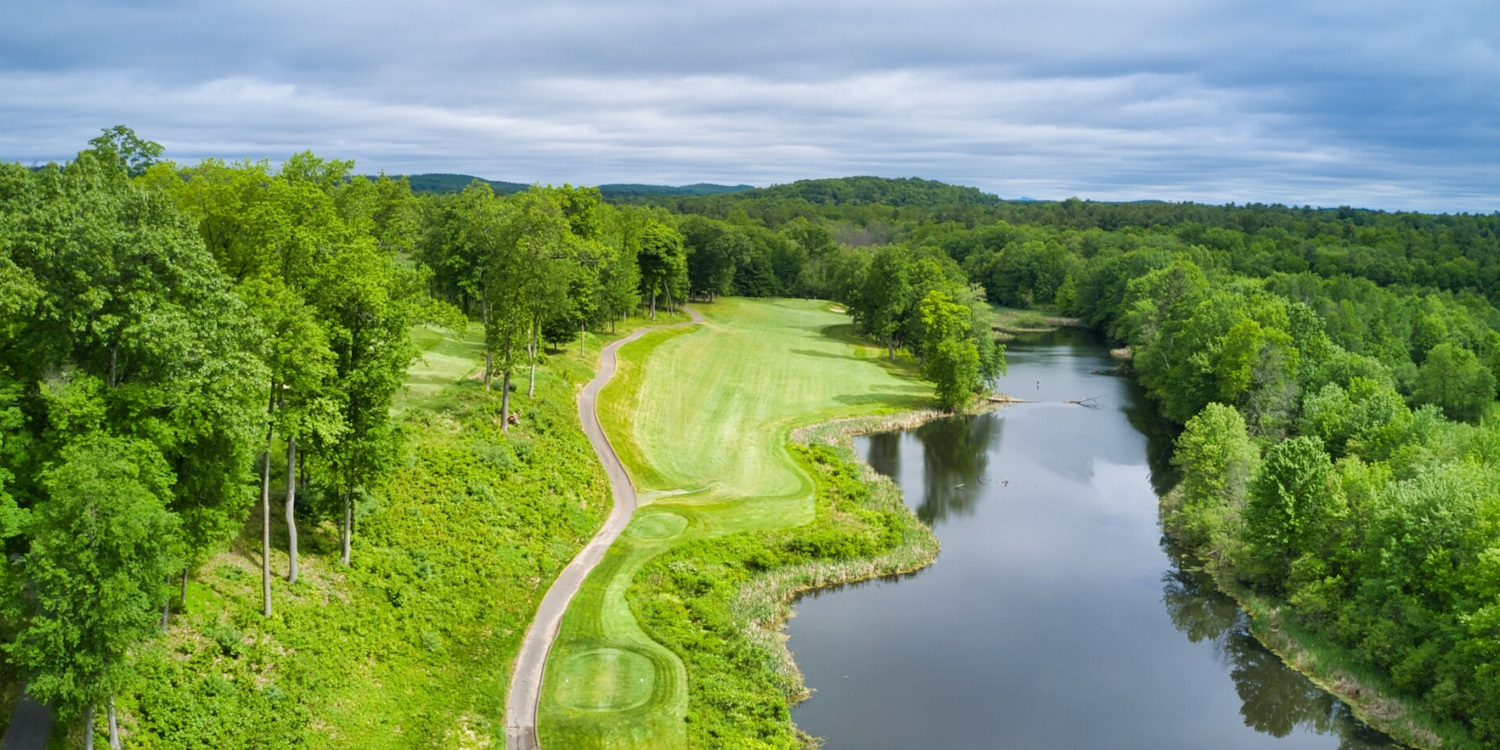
x,y
433,183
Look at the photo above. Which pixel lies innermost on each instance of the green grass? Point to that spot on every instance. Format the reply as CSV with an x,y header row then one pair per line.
x,y
445,360
701,418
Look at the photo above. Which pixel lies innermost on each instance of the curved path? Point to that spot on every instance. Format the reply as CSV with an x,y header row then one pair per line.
x,y
526,681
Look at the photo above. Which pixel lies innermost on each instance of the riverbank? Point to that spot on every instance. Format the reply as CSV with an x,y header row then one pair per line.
x,y
1009,322
1369,695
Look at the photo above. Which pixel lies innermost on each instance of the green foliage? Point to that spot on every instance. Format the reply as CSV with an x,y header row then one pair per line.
x,y
102,547
686,599
1291,504
1217,461
908,191
1452,379
952,362
134,155
421,630
663,264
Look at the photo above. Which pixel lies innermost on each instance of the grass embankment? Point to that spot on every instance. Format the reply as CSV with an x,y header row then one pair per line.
x,y
1367,691
1010,322
702,419
412,645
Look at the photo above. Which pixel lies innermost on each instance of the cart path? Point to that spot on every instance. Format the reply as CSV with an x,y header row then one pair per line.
x,y
526,681
29,726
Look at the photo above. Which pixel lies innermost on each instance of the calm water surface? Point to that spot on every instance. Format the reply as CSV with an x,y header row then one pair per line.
x,y
1056,616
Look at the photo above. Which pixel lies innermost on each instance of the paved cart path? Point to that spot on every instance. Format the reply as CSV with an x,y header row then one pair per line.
x,y
526,682
29,726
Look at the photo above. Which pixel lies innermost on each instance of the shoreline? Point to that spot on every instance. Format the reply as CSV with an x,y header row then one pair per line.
x,y
767,602
1371,701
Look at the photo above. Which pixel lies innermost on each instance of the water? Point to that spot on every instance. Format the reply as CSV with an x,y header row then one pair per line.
x,y
1056,615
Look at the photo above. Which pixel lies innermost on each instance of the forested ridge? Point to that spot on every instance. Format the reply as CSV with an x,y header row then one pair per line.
x,y
182,347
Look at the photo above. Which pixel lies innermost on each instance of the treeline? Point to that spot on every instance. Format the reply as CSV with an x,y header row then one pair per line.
x,y
1335,371
546,265
1449,252
160,330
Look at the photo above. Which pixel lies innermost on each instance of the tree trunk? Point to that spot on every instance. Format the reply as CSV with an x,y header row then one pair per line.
x,y
182,599
536,332
653,303
291,507
166,614
489,353
505,403
265,528
348,528
580,338
114,729
88,727
670,309
265,508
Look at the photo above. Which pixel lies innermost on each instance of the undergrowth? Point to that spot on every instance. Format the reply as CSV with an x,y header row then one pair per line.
x,y
411,646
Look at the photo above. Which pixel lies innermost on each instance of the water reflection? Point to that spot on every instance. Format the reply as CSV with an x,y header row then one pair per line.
x,y
1161,437
955,454
1275,700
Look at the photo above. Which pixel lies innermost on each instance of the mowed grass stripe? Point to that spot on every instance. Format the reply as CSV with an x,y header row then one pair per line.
x,y
700,417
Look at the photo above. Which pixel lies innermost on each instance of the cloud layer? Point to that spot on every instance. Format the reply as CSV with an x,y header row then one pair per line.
x,y
1375,103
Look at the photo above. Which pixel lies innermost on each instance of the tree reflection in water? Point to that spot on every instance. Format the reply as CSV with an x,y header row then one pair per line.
x,y
1275,699
955,454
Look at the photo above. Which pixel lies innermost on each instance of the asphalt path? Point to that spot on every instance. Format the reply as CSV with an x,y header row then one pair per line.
x,y
29,726
526,681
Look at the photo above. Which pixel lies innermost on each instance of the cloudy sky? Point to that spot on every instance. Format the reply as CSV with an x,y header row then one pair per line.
x,y
1380,103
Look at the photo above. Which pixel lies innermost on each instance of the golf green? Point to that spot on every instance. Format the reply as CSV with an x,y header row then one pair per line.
x,y
700,418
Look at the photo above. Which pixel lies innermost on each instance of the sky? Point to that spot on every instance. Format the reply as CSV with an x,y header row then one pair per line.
x,y
1374,103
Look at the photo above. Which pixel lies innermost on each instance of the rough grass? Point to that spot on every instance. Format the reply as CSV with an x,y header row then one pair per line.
x,y
701,418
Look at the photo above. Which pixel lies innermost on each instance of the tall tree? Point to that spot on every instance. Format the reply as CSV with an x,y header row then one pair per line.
x,y
663,264
1453,379
368,303
129,302
102,547
1217,460
883,295
1288,508
952,360
133,154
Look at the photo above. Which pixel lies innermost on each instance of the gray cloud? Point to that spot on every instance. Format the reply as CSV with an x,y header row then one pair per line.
x,y
1374,103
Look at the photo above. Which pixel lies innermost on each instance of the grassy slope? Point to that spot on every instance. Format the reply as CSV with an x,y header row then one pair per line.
x,y
701,418
413,645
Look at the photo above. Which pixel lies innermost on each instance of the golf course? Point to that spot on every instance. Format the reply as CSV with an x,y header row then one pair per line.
x,y
701,416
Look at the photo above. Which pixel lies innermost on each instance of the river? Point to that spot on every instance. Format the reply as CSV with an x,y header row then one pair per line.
x,y
1056,616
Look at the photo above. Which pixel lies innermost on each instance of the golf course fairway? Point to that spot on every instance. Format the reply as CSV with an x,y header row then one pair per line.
x,y
700,417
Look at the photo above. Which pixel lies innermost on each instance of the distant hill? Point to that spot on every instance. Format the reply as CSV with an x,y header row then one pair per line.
x,y
454,183
904,191
699,188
